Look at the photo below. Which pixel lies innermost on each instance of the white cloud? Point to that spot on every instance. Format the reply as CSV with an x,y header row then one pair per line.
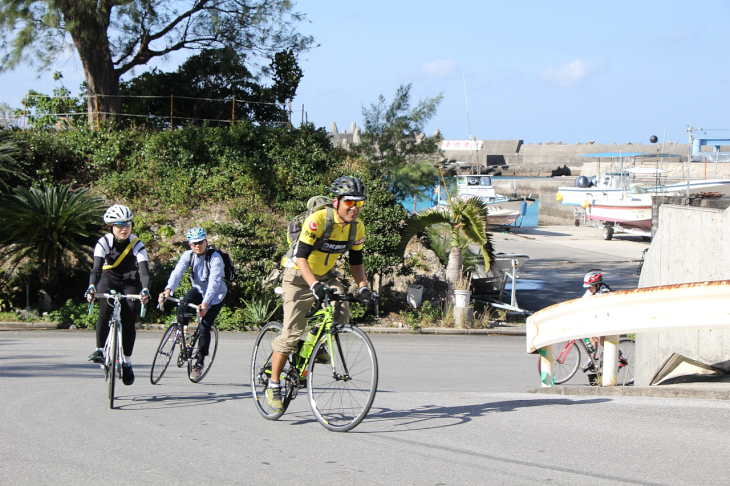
x,y
569,75
440,69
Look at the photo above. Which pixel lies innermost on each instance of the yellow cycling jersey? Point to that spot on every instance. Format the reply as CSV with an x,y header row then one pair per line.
x,y
321,261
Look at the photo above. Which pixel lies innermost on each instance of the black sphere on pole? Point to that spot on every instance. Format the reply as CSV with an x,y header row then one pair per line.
x,y
653,139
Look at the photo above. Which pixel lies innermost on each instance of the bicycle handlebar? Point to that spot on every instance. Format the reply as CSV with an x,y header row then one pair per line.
x,y
332,296
116,296
161,305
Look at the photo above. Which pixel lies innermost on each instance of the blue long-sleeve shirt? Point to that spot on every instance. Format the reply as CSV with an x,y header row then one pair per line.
x,y
211,287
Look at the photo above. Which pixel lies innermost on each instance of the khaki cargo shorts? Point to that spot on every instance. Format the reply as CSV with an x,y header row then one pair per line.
x,y
298,300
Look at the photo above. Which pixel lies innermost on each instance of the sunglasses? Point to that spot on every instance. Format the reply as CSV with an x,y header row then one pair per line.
x,y
350,203
123,225
197,243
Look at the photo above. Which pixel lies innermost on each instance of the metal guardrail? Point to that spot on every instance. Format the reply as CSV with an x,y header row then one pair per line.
x,y
691,306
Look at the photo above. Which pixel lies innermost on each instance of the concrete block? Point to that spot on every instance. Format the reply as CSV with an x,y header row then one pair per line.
x,y
690,245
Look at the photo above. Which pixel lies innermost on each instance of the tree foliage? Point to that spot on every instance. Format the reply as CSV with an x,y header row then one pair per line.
x,y
113,37
212,85
393,137
59,110
464,216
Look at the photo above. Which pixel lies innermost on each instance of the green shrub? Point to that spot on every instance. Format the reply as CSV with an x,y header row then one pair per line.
x,y
75,312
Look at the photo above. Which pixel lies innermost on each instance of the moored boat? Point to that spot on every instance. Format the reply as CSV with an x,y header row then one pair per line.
x,y
501,210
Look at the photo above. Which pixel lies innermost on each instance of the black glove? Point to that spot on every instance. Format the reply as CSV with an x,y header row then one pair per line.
x,y
365,294
318,290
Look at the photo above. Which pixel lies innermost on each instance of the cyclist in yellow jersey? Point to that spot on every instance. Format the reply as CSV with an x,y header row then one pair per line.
x,y
311,274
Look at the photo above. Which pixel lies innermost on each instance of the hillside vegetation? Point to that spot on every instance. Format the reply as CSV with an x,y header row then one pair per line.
x,y
242,183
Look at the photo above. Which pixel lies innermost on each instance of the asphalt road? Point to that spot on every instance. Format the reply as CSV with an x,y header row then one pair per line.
x,y
560,256
449,410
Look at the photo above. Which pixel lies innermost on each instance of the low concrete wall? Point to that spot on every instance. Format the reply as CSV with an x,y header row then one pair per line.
x,y
692,244
524,187
551,212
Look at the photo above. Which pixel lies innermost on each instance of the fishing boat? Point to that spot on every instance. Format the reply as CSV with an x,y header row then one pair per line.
x,y
501,210
630,215
624,176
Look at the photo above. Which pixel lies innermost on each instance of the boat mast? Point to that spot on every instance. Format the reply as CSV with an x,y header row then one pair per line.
x,y
468,124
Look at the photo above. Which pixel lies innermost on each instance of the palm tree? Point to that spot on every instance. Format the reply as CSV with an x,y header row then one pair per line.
x,y
52,227
9,167
466,215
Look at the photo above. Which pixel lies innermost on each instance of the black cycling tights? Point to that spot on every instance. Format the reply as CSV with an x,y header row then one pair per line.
x,y
194,297
130,310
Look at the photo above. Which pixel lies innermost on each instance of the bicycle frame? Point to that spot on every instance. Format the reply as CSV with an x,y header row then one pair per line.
x,y
561,357
325,325
176,334
116,319
182,319
113,349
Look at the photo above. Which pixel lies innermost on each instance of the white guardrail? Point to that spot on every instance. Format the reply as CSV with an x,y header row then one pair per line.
x,y
680,307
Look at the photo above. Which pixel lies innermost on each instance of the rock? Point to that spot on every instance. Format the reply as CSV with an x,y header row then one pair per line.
x,y
427,270
44,301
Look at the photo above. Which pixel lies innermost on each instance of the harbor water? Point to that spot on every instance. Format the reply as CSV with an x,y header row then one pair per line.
x,y
426,202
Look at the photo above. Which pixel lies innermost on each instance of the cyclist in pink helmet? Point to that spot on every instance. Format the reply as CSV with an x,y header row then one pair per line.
x,y
593,282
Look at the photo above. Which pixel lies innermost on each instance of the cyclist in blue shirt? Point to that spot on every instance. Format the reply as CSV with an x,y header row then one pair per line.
x,y
209,290
120,264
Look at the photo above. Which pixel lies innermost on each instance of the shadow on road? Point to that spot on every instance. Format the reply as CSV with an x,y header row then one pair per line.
x,y
174,400
435,417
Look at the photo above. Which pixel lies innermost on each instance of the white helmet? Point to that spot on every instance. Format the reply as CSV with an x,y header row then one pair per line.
x,y
118,214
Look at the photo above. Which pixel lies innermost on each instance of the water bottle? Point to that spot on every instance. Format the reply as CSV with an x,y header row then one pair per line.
x,y
590,347
187,334
307,345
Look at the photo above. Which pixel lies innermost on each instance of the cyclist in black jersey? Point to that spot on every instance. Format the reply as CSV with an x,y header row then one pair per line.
x,y
120,264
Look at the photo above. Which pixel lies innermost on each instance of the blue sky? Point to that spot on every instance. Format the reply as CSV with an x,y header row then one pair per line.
x,y
567,71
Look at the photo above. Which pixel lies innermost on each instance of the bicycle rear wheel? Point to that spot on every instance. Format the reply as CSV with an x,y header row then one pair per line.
x,y
115,366
626,360
566,359
261,372
212,348
164,353
342,391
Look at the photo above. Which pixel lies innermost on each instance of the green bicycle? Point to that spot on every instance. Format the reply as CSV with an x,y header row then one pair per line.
x,y
341,388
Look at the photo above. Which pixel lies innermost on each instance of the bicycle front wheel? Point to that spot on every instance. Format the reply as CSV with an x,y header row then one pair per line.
x,y
342,391
566,359
115,365
212,348
164,353
261,372
626,359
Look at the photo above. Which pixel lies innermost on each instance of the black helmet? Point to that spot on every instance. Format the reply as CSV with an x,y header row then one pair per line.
x,y
349,187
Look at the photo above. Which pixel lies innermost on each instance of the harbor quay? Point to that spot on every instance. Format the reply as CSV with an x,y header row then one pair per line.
x,y
559,258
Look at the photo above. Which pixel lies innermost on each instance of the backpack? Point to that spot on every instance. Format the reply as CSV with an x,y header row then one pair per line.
x,y
315,204
229,270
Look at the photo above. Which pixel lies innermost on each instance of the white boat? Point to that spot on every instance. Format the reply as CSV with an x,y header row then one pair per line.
x,y
634,212
501,210
629,179
614,186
